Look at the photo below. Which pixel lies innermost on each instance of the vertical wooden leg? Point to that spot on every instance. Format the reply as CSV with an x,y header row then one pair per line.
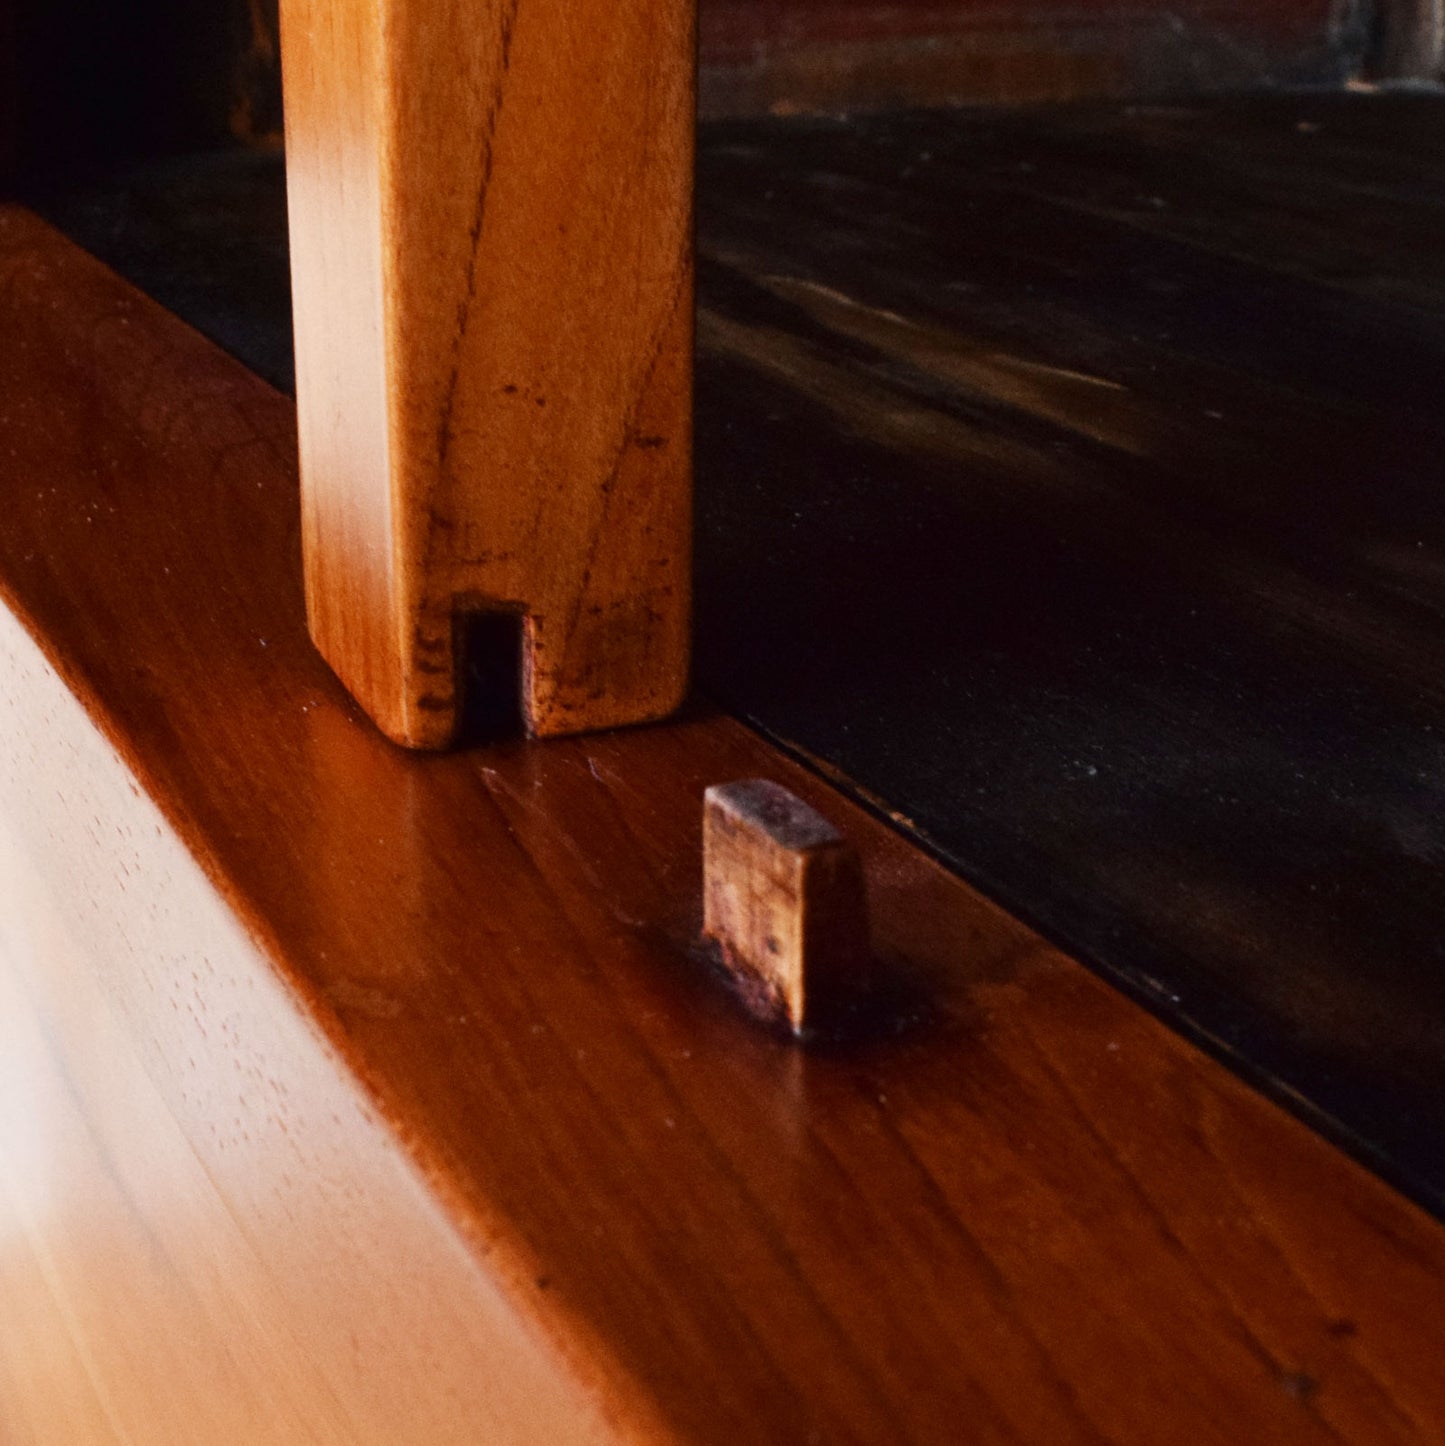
x,y
491,217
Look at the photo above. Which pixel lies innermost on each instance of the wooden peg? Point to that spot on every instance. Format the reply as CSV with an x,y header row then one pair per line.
x,y
784,901
491,231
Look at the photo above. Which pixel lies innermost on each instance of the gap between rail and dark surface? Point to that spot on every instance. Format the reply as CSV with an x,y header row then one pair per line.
x,y
1069,486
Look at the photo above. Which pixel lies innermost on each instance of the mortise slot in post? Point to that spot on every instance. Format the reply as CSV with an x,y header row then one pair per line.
x,y
490,651
783,899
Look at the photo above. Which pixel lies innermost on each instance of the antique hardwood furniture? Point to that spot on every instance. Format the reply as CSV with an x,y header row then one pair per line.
x,y
353,1094
492,254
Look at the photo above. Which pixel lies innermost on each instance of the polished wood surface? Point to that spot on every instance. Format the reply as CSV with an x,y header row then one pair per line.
x,y
1131,411
208,1236
491,231
1027,1212
1029,369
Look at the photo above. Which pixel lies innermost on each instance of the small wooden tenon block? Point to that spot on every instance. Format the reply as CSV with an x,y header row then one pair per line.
x,y
784,901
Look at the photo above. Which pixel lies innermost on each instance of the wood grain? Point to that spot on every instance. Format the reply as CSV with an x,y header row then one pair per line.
x,y
1031,1214
206,1235
491,220
783,900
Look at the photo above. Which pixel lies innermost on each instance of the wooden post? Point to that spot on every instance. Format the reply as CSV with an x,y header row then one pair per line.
x,y
491,218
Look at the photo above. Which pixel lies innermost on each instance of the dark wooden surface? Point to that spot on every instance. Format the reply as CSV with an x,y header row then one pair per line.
x,y
735,29
834,56
1094,461
1070,480
1025,1209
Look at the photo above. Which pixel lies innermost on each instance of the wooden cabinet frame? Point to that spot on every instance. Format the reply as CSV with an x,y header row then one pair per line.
x,y
354,1095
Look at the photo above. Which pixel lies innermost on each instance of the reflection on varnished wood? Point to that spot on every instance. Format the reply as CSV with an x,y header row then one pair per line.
x,y
1093,458
1035,1211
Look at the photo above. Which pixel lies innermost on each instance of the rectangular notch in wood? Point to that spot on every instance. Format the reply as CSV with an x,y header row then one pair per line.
x,y
491,231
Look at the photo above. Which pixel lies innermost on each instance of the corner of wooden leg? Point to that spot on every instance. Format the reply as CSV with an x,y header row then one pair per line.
x,y
620,663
